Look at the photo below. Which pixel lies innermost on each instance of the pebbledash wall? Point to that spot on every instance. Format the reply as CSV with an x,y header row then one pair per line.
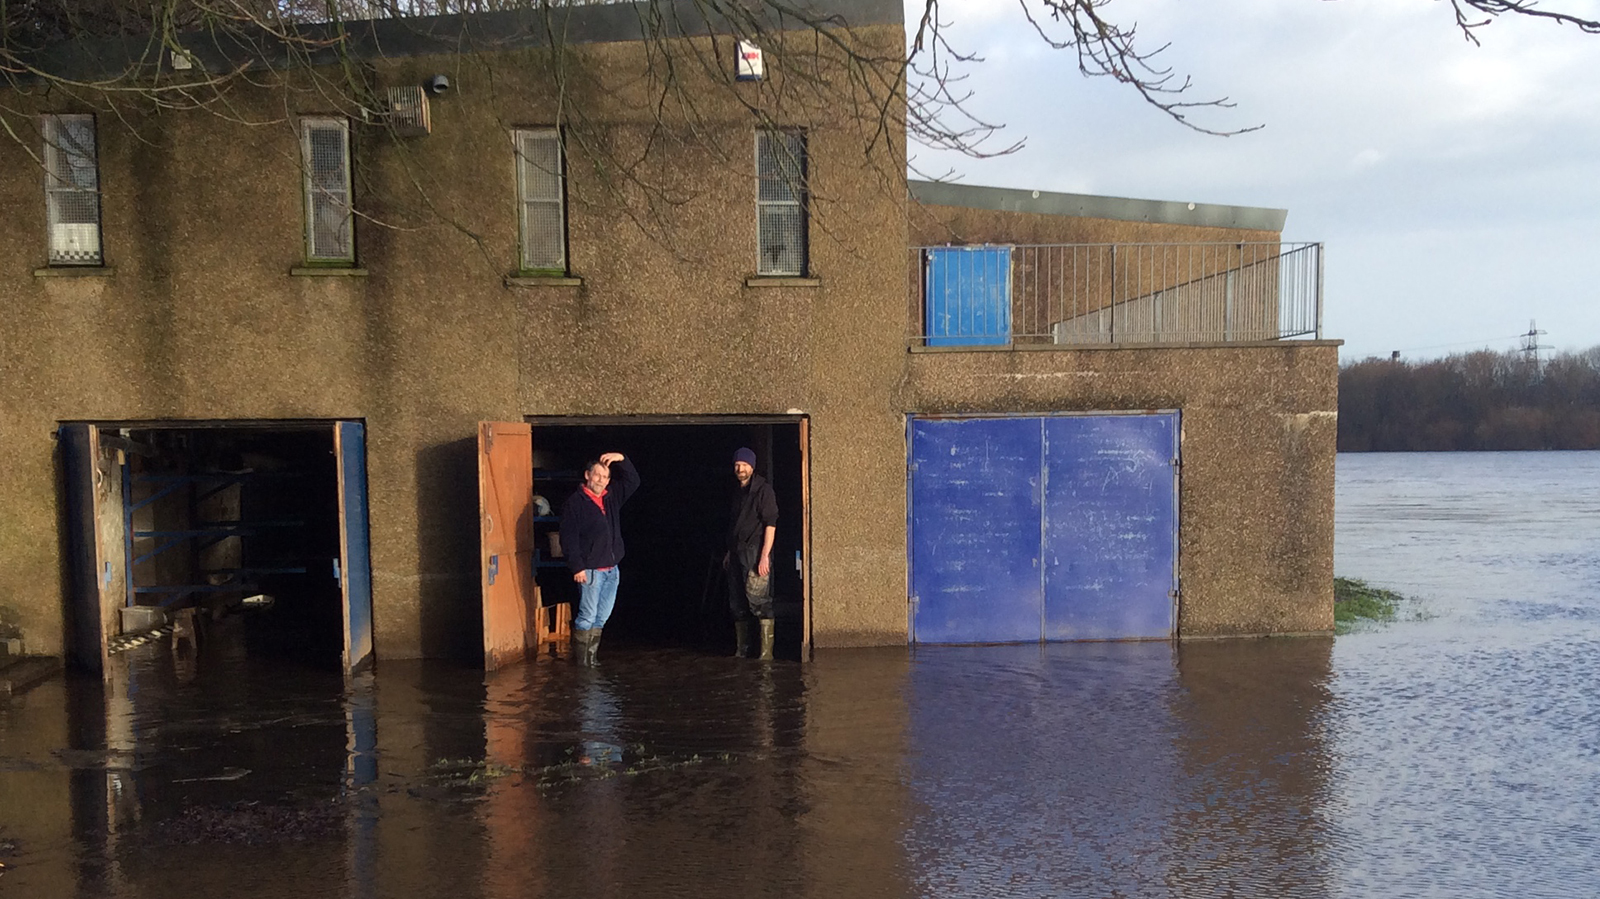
x,y
1259,419
198,316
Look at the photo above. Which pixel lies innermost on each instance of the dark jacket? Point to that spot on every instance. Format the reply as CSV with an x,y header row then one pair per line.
x,y
590,538
755,508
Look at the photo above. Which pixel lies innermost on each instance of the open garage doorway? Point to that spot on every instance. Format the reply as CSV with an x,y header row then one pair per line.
x,y
260,523
673,591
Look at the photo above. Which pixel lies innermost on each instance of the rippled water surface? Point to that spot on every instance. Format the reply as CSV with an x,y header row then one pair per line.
x,y
1455,753
1468,743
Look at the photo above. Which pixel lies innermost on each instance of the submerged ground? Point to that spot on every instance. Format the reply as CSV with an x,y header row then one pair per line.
x,y
1449,753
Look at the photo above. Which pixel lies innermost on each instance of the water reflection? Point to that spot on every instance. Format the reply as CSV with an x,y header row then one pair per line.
x,y
647,764
1102,769
1255,767
1132,769
1452,756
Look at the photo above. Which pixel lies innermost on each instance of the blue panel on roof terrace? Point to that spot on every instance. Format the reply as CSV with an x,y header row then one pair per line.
x,y
975,501
1110,526
967,296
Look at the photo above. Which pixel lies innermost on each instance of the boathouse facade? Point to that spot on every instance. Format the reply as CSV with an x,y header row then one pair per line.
x,y
246,359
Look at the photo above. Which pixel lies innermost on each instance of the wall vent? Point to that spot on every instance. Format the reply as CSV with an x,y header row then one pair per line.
x,y
408,111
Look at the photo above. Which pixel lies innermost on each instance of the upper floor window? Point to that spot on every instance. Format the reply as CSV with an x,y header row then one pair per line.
x,y
72,190
781,203
541,202
330,216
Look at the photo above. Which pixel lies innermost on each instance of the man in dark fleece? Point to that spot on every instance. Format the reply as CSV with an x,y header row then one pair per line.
x,y
591,540
752,527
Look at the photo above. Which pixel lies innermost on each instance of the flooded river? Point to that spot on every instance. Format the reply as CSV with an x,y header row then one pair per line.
x,y
1455,753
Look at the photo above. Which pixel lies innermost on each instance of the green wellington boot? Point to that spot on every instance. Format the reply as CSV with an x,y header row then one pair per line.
x,y
594,648
741,639
580,647
766,639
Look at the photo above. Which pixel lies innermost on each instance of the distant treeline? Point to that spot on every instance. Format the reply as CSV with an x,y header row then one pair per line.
x,y
1471,401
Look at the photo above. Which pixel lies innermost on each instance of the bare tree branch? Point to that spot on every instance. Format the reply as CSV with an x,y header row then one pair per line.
x,y
130,58
1492,8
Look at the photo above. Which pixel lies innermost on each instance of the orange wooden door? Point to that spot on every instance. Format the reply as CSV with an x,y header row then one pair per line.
x,y
505,515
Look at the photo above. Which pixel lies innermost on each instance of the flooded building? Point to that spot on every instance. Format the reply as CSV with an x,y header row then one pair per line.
x,y
337,355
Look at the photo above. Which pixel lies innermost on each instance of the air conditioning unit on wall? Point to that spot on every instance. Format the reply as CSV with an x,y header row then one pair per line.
x,y
408,111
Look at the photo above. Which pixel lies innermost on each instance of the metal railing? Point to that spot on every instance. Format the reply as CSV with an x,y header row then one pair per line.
x,y
1074,294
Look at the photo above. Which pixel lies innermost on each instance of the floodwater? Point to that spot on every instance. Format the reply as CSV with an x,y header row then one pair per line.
x,y
1455,753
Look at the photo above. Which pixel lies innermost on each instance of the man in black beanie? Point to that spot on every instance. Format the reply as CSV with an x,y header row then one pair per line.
x,y
753,525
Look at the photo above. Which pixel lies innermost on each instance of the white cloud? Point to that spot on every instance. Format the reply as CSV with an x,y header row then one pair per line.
x,y
1455,185
1368,158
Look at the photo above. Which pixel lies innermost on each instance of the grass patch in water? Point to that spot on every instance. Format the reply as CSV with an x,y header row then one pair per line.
x,y
1356,601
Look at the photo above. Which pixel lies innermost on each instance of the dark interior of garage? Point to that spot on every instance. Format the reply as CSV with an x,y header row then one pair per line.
x,y
236,523
672,590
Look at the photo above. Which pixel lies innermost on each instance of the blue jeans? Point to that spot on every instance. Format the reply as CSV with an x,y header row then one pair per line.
x,y
599,594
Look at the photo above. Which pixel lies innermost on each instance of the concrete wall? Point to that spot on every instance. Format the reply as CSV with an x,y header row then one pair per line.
x,y
1222,284
1259,422
1256,487
197,316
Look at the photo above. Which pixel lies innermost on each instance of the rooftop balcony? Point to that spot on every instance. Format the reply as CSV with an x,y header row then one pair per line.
x,y
1074,295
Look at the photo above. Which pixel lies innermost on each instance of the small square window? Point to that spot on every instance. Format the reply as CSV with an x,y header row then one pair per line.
x,y
72,190
781,204
541,201
330,215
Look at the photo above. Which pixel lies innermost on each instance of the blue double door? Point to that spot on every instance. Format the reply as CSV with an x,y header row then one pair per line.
x,y
1060,527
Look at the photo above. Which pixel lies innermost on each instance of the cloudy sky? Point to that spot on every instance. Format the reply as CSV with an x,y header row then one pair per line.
x,y
1457,188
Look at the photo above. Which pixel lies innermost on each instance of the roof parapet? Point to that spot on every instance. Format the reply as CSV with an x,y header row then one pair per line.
x,y
589,23
1122,209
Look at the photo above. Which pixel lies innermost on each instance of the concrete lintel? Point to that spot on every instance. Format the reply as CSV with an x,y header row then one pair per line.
x,y
1122,209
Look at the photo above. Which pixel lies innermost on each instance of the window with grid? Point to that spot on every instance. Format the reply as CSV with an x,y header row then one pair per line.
x,y
330,217
541,201
781,203
72,190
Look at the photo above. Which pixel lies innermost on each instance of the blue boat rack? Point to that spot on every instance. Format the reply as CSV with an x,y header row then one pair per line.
x,y
207,534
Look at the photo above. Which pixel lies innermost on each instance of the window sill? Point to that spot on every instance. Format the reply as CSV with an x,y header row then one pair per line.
x,y
541,281
773,281
328,271
74,271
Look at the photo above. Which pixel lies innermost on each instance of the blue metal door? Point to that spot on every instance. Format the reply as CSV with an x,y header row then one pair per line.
x,y
1110,526
975,516
967,294
1053,528
355,566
